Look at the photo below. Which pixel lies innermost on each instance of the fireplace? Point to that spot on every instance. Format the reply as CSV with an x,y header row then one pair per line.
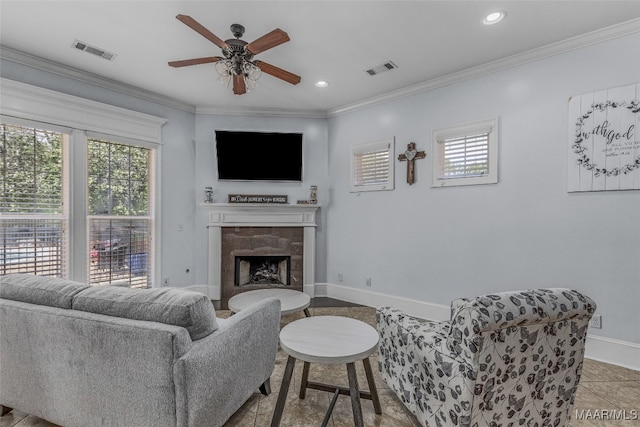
x,y
260,258
249,230
263,270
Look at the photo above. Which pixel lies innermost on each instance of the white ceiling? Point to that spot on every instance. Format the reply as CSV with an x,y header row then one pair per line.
x,y
334,41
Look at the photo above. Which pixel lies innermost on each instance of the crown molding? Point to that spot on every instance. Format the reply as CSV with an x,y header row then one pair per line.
x,y
93,79
25,101
97,80
262,112
574,43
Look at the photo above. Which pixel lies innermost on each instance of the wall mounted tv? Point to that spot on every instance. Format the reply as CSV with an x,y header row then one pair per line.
x,y
259,156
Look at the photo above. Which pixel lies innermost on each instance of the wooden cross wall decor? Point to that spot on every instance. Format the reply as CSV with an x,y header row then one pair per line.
x,y
411,155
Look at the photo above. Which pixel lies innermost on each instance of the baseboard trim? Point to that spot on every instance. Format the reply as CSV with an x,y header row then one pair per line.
x,y
610,350
603,349
422,309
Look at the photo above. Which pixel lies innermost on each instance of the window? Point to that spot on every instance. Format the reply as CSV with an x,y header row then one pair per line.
x,y
466,155
372,166
32,217
34,206
119,221
54,232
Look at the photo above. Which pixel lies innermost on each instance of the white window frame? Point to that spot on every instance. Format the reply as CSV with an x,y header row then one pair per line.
x,y
438,139
359,150
32,103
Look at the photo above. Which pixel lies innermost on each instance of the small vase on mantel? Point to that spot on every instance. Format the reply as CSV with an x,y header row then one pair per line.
x,y
208,194
313,198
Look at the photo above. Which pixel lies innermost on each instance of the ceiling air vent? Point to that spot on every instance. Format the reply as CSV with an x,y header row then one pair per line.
x,y
387,66
93,50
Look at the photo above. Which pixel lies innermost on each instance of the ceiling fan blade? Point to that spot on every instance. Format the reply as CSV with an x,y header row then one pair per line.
x,y
239,86
197,27
195,61
278,72
269,40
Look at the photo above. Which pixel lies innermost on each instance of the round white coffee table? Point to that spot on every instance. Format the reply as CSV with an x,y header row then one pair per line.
x,y
329,339
290,301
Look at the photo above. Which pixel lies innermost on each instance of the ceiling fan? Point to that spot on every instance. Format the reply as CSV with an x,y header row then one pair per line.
x,y
237,63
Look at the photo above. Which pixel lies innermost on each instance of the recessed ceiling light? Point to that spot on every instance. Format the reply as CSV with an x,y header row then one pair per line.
x,y
494,17
322,83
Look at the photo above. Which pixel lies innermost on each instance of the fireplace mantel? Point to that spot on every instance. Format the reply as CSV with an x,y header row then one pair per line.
x,y
260,215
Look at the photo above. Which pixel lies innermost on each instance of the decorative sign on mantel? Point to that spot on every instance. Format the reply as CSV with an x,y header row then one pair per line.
x,y
250,198
604,140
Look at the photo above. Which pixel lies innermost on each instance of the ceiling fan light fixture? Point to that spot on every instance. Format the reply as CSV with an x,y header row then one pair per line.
x,y
494,17
238,65
224,73
252,71
251,75
227,68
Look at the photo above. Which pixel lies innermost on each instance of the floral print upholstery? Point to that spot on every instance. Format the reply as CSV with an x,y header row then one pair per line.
x,y
506,359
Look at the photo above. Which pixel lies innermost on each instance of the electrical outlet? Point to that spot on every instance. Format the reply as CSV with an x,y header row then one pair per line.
x,y
165,281
367,281
180,227
596,321
340,278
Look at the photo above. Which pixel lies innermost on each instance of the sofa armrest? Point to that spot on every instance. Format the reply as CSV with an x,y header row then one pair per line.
x,y
222,370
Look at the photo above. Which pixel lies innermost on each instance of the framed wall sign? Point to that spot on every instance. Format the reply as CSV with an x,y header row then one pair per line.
x,y
258,198
604,140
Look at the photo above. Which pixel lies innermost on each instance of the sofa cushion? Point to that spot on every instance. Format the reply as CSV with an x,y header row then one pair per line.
x,y
49,291
190,310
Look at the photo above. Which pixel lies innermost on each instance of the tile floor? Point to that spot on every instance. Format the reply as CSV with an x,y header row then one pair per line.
x,y
602,387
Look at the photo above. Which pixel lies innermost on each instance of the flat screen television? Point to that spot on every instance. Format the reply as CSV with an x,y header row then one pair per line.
x,y
259,156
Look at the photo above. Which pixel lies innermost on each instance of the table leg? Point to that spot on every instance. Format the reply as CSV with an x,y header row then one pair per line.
x,y
355,395
284,389
305,380
327,416
372,386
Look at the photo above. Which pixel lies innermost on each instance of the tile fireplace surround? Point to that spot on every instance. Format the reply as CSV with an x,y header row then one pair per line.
x,y
242,218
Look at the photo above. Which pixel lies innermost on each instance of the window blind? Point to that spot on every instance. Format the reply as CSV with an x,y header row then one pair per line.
x,y
371,167
119,251
465,156
33,246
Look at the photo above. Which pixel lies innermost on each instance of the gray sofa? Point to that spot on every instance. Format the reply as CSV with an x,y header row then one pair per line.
x,y
80,355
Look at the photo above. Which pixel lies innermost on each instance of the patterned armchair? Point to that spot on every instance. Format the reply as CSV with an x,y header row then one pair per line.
x,y
512,358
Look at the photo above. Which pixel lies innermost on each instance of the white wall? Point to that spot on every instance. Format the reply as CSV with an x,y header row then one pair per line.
x,y
315,146
436,244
